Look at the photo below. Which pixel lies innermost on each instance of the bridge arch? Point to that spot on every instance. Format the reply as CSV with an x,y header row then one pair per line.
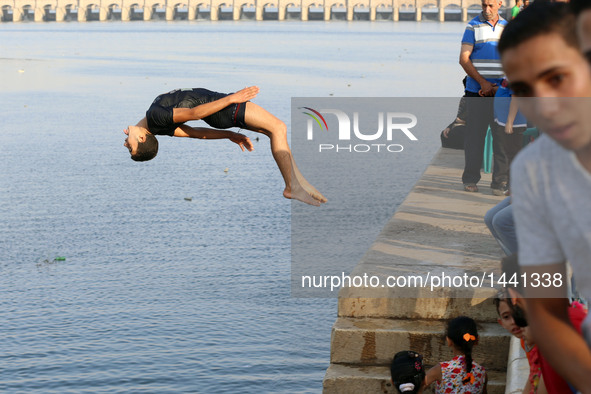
x,y
199,10
427,10
291,10
267,10
7,12
149,9
156,10
474,9
383,11
110,11
48,12
334,9
452,6
313,10
429,5
245,9
136,11
177,11
383,6
92,11
359,11
66,11
221,9
23,13
452,12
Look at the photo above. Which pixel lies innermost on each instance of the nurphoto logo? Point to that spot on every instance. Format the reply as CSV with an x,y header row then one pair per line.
x,y
397,125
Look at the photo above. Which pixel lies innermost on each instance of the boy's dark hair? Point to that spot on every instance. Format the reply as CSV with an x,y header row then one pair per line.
x,y
146,150
540,18
579,6
407,371
463,332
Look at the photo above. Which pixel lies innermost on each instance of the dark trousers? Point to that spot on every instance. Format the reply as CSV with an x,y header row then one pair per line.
x,y
508,147
480,116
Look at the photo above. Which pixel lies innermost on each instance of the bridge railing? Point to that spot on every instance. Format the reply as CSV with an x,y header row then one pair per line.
x,y
103,10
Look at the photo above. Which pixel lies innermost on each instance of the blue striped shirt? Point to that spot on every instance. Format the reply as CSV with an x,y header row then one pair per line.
x,y
485,57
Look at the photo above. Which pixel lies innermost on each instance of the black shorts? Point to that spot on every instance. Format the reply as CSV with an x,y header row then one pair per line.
x,y
231,116
160,113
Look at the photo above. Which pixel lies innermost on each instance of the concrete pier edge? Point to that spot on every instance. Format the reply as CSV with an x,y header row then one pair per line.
x,y
437,227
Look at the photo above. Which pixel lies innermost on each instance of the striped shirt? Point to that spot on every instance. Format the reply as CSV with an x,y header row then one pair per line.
x,y
485,57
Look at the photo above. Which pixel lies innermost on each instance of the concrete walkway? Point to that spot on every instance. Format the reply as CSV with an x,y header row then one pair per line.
x,y
437,232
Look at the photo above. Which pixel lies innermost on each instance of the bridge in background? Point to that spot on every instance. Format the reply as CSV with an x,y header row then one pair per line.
x,y
127,10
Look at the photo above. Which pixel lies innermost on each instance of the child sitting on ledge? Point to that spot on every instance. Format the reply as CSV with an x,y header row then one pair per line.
x,y
461,374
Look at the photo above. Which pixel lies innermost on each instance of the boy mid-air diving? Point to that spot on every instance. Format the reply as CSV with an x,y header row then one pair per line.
x,y
169,112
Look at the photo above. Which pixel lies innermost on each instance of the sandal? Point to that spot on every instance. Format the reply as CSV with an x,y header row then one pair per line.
x,y
470,187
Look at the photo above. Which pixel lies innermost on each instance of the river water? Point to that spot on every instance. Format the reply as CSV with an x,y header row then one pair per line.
x,y
173,275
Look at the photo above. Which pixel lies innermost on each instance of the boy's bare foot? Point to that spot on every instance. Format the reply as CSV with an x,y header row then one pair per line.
x,y
313,192
298,193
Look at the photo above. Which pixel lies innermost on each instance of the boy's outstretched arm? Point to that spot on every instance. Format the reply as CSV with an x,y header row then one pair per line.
x,y
214,134
180,115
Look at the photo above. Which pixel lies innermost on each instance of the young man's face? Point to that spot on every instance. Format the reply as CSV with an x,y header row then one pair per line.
x,y
547,68
506,320
490,9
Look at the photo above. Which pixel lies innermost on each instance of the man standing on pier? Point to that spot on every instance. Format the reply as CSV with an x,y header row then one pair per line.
x,y
481,61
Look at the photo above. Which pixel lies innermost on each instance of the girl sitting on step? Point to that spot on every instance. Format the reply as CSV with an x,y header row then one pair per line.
x,y
461,374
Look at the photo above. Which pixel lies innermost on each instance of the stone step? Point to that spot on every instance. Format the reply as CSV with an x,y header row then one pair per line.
x,y
345,379
385,303
375,341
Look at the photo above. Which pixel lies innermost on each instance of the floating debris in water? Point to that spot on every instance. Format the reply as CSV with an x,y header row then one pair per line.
x,y
188,198
226,169
50,260
21,71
